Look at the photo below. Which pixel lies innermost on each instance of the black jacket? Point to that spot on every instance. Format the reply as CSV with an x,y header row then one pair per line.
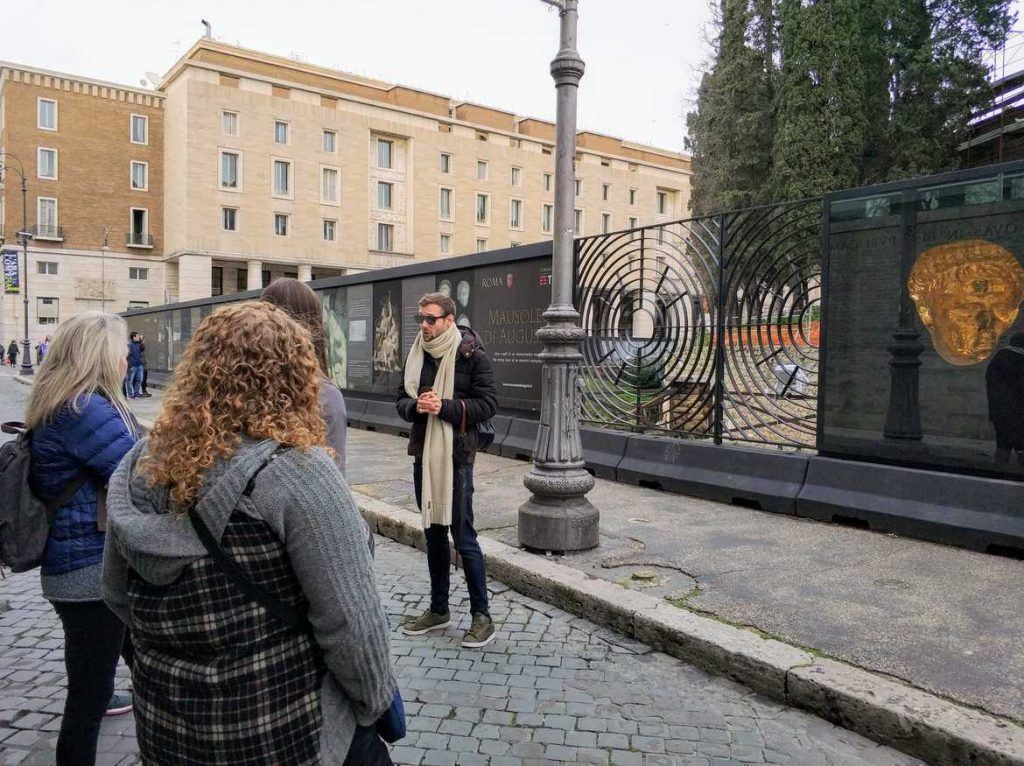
x,y
1004,381
474,385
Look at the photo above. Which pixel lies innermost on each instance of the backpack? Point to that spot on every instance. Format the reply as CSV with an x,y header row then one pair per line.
x,y
24,519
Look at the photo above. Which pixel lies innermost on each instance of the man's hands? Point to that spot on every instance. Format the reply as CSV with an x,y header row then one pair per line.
x,y
428,403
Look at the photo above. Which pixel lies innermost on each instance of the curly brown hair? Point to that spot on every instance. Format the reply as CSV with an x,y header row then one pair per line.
x,y
249,371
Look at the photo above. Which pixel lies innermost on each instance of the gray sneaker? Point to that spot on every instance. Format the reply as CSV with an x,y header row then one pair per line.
x,y
480,633
427,622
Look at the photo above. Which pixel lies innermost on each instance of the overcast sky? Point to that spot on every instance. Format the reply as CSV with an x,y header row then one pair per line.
x,y
640,54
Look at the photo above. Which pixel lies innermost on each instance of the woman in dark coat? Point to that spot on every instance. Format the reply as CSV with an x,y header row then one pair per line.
x,y
81,428
12,353
1004,381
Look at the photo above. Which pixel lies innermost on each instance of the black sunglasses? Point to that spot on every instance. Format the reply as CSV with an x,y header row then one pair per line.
x,y
428,318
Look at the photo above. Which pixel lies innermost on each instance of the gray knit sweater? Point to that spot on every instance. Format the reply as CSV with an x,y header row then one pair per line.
x,y
303,497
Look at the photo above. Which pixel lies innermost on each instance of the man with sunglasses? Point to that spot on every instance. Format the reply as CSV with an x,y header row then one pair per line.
x,y
447,389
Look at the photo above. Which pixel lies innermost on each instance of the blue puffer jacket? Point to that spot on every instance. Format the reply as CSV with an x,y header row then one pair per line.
x,y
94,439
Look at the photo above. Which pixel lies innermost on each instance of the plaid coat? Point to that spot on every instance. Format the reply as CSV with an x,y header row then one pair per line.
x,y
218,679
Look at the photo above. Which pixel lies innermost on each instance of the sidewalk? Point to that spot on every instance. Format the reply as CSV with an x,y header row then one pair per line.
x,y
941,619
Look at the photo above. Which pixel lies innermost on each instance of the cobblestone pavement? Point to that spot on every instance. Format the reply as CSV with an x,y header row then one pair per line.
x,y
552,688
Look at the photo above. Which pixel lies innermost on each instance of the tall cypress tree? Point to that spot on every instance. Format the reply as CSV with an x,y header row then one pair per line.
x,y
730,132
821,125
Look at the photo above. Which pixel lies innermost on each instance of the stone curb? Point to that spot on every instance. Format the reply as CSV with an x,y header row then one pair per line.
x,y
887,711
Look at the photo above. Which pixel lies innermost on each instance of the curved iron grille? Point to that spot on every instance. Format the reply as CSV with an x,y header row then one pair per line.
x,y
705,327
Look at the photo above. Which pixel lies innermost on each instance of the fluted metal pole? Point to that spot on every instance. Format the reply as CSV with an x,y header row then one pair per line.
x,y
558,516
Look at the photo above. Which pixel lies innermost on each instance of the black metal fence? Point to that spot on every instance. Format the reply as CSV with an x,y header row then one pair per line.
x,y
706,327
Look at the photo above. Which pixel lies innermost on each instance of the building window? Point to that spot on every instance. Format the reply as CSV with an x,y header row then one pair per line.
x,y
481,208
265,277
47,310
47,218
230,170
217,280
606,222
481,170
446,244
138,273
515,214
517,176
481,245
385,237
632,196
634,222
137,305
445,204
579,187
241,280
229,123
140,175
605,188
280,132
282,178
546,214
577,222
46,267
329,185
330,229
46,114
446,163
47,159
138,231
229,218
662,203
384,195
330,141
547,182
384,158
281,224
140,129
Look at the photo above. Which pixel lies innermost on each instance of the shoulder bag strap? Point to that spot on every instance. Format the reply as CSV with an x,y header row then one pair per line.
x,y
66,494
289,615
462,430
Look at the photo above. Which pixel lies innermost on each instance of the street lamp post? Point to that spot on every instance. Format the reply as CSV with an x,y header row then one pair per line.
x,y
558,516
23,238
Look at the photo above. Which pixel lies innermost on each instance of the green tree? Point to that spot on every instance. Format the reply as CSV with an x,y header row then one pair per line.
x,y
821,124
730,132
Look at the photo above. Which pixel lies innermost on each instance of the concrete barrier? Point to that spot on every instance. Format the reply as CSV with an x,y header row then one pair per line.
x,y
753,478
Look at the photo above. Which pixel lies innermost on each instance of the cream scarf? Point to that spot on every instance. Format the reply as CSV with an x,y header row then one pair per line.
x,y
438,471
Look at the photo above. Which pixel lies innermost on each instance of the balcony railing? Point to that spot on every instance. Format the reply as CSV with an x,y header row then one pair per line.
x,y
52,233
138,239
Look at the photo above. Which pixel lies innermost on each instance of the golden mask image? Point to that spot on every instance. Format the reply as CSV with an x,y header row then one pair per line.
x,y
967,294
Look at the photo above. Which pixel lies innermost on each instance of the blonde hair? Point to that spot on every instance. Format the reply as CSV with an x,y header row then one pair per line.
x,y
250,370
84,358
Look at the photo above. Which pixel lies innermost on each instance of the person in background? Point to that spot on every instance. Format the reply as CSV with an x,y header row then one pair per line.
x,y
237,465
12,353
447,389
81,429
1004,384
133,378
145,367
301,303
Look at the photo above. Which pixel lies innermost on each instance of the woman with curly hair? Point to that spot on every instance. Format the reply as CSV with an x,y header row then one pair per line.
x,y
239,560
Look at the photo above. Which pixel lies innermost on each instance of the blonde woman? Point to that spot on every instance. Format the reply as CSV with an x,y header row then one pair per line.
x,y
235,494
81,428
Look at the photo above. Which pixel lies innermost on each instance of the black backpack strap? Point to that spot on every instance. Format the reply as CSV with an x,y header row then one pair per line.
x,y
289,615
66,493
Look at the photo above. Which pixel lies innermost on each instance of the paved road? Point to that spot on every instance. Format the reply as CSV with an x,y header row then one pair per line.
x,y
553,688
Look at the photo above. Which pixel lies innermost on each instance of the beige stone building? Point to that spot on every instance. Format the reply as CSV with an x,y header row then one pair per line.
x,y
262,166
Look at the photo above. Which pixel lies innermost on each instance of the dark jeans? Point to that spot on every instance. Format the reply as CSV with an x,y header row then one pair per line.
x,y
464,536
94,637
145,379
367,749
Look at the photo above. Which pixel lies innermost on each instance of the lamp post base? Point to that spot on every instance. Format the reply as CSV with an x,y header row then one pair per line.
x,y
558,524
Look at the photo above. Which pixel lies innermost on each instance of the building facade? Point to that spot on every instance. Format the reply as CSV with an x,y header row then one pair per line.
x,y
269,167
